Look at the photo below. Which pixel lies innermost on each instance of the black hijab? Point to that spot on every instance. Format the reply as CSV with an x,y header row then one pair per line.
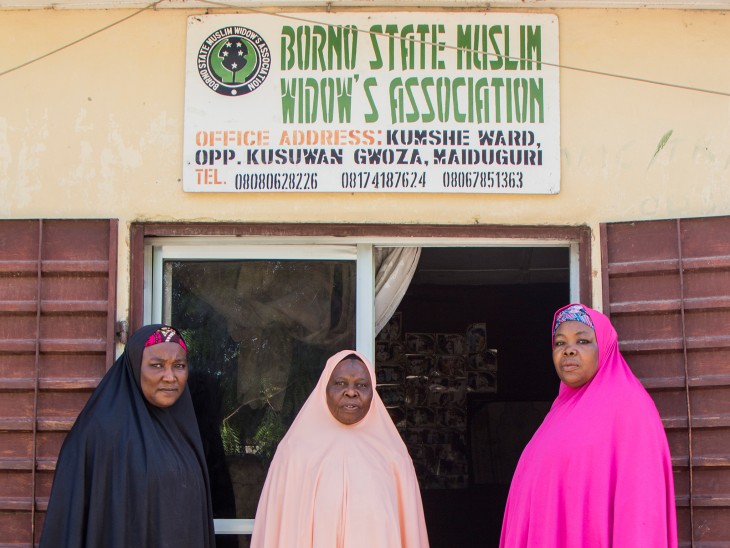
x,y
130,474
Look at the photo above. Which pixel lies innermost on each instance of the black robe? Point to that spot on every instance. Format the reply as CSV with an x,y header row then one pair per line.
x,y
130,474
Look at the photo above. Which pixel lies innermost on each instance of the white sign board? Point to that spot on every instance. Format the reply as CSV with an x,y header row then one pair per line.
x,y
387,102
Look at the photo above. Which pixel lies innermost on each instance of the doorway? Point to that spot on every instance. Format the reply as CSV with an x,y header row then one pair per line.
x,y
465,368
476,284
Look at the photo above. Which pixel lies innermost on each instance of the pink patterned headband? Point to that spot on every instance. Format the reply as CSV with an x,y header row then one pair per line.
x,y
166,334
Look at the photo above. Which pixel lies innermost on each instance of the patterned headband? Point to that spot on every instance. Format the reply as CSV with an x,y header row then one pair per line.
x,y
166,334
574,313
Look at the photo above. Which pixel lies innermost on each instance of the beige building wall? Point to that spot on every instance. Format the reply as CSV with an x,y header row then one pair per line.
x,y
95,130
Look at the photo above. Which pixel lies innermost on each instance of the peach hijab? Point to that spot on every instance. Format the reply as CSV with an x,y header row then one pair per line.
x,y
331,485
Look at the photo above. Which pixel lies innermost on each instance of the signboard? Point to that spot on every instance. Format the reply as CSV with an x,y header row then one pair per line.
x,y
356,102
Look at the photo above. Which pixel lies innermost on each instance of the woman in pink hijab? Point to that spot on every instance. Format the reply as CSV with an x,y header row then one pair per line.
x,y
341,476
597,473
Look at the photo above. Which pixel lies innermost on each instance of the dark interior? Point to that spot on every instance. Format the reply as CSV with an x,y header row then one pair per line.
x,y
515,291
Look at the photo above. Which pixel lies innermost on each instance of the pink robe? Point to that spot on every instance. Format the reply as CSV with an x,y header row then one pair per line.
x,y
331,485
597,473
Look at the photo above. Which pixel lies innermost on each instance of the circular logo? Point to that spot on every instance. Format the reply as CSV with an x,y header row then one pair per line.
x,y
234,61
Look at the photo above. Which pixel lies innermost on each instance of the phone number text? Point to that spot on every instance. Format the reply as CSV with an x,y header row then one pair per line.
x,y
482,179
276,181
359,180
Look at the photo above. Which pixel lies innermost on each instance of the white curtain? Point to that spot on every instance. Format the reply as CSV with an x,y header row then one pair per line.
x,y
394,269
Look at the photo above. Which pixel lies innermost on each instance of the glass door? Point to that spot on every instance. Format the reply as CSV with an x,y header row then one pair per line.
x,y
260,322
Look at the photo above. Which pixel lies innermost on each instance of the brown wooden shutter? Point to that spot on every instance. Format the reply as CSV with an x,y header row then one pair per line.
x,y
57,312
666,286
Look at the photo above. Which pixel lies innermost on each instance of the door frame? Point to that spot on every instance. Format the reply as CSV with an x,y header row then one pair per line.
x,y
212,240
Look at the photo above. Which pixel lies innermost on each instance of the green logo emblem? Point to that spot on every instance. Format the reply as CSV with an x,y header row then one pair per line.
x,y
234,61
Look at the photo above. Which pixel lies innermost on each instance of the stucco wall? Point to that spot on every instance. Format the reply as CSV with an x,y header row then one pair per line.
x,y
96,129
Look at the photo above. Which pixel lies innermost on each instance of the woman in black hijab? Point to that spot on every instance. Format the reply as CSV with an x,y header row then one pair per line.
x,y
131,471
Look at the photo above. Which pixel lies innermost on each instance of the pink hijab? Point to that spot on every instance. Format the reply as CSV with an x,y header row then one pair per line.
x,y
597,473
331,485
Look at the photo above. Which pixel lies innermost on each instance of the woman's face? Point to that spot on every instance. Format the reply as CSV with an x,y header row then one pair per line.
x,y
349,391
164,373
575,353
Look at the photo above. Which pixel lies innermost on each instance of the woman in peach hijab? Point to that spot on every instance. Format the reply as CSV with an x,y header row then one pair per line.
x,y
341,477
